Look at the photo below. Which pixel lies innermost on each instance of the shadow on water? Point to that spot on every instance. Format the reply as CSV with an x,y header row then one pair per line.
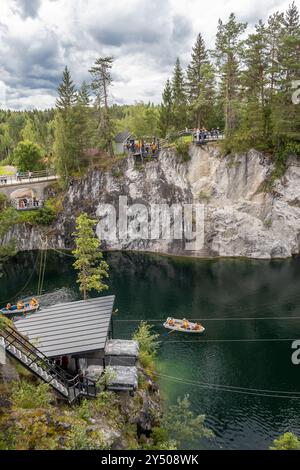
x,y
152,287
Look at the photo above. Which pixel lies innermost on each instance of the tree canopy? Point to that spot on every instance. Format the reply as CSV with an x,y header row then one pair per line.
x,y
28,156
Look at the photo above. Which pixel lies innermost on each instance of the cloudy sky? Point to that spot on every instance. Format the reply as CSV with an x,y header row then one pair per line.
x,y
39,37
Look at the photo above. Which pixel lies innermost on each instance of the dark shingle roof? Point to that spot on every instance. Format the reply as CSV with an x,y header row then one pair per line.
x,y
69,328
122,136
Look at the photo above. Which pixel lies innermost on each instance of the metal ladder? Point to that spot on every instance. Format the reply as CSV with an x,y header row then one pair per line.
x,y
21,349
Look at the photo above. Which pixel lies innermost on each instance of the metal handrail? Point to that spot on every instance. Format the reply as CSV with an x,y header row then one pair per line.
x,y
36,356
34,353
34,177
167,141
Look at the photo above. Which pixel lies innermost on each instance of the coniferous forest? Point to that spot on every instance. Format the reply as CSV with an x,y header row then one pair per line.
x,y
247,86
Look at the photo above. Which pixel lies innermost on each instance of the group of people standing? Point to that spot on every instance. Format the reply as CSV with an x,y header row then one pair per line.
x,y
143,147
203,134
4,178
28,203
20,175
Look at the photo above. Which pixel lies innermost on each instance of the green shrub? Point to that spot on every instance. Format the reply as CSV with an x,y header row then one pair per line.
x,y
146,338
280,158
268,223
160,440
8,217
29,396
182,426
183,150
79,439
148,346
203,196
3,201
44,216
5,321
288,441
147,361
83,410
105,401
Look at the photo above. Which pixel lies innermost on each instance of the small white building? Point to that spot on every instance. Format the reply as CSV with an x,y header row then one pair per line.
x,y
121,140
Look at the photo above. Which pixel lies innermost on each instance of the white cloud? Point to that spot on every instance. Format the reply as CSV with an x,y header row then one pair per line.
x,y
39,37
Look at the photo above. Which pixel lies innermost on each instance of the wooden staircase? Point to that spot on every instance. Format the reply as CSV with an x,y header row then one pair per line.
x,y
69,387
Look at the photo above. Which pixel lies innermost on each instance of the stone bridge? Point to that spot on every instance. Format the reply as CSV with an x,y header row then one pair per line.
x,y
15,187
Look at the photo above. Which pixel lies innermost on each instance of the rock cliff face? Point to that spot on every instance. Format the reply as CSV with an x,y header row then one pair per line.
x,y
240,217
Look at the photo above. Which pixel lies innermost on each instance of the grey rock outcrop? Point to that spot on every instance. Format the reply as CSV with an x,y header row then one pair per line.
x,y
241,219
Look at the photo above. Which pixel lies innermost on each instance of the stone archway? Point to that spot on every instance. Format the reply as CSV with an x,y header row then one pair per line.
x,y
22,193
24,198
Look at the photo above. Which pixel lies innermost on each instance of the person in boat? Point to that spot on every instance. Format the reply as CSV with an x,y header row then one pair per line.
x,y
20,305
197,327
185,324
8,306
171,322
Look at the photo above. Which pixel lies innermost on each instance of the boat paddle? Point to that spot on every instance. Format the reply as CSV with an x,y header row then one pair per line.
x,y
169,333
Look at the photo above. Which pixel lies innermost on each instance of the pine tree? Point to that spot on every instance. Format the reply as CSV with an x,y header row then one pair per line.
x,y
255,126
166,110
194,70
274,31
200,85
203,107
66,92
292,20
179,97
285,114
89,263
84,94
151,117
228,56
101,81
65,146
290,46
28,132
66,143
83,118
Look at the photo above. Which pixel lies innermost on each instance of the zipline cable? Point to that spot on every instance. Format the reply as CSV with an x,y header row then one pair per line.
x,y
15,296
215,387
62,253
210,319
250,340
229,388
43,269
40,271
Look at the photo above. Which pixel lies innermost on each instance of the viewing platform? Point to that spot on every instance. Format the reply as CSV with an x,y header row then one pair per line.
x,y
24,204
28,178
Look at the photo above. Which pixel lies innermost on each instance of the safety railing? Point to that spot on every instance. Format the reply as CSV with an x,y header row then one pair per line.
x,y
27,177
75,386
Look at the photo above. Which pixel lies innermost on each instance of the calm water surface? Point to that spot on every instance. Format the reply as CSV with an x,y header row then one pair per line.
x,y
220,292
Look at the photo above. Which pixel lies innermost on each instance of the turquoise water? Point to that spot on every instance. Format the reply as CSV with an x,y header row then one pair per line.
x,y
220,293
